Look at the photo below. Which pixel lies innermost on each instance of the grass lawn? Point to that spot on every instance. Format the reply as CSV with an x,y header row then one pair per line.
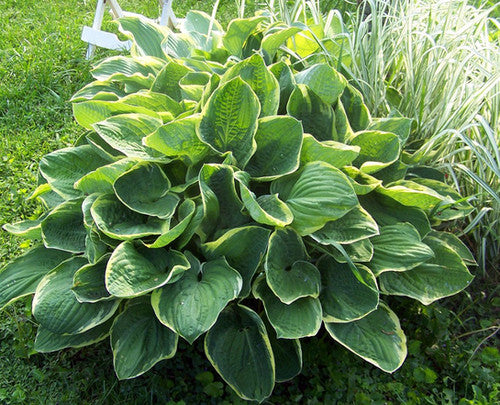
x,y
452,350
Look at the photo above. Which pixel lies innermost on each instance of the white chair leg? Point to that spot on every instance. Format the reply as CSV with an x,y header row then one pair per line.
x,y
99,14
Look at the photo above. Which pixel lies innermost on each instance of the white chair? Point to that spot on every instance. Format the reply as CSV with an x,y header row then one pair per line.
x,y
96,37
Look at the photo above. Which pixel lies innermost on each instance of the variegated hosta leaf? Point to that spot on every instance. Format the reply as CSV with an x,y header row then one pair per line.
x,y
65,166
243,249
238,32
139,340
390,212
119,222
124,132
288,275
120,66
360,251
334,153
398,248
376,338
317,117
63,228
287,355
443,275
255,73
317,194
455,244
222,206
149,197
178,139
275,38
185,213
286,82
29,228
147,36
56,308
135,270
21,276
357,224
412,194
342,125
299,319
325,81
239,349
167,80
266,209
47,341
355,108
347,293
401,126
191,305
279,140
229,120
101,179
89,282
377,150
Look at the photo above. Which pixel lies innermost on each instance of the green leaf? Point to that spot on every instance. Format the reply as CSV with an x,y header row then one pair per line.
x,y
56,308
119,222
147,37
222,207
243,249
150,194
279,140
89,282
139,340
273,40
193,85
412,194
378,150
347,294
361,182
299,319
265,209
64,167
286,82
199,25
229,120
63,228
178,139
97,89
342,126
317,194
455,244
390,212
334,153
357,224
101,180
376,338
238,32
134,270
360,251
398,248
90,112
191,305
355,108
444,275
288,275
325,81
254,72
287,356
124,132
116,67
400,126
317,117
163,104
186,212
47,341
21,276
167,81
28,228
239,349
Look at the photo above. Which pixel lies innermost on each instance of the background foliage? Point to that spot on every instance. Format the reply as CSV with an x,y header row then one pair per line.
x,y
41,66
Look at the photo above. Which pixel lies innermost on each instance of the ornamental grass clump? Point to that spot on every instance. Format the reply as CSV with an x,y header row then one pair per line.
x,y
219,191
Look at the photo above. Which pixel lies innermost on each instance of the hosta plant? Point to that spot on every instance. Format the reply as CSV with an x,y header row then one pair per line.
x,y
221,194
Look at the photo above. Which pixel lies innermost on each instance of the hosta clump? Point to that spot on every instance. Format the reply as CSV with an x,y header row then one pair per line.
x,y
221,192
